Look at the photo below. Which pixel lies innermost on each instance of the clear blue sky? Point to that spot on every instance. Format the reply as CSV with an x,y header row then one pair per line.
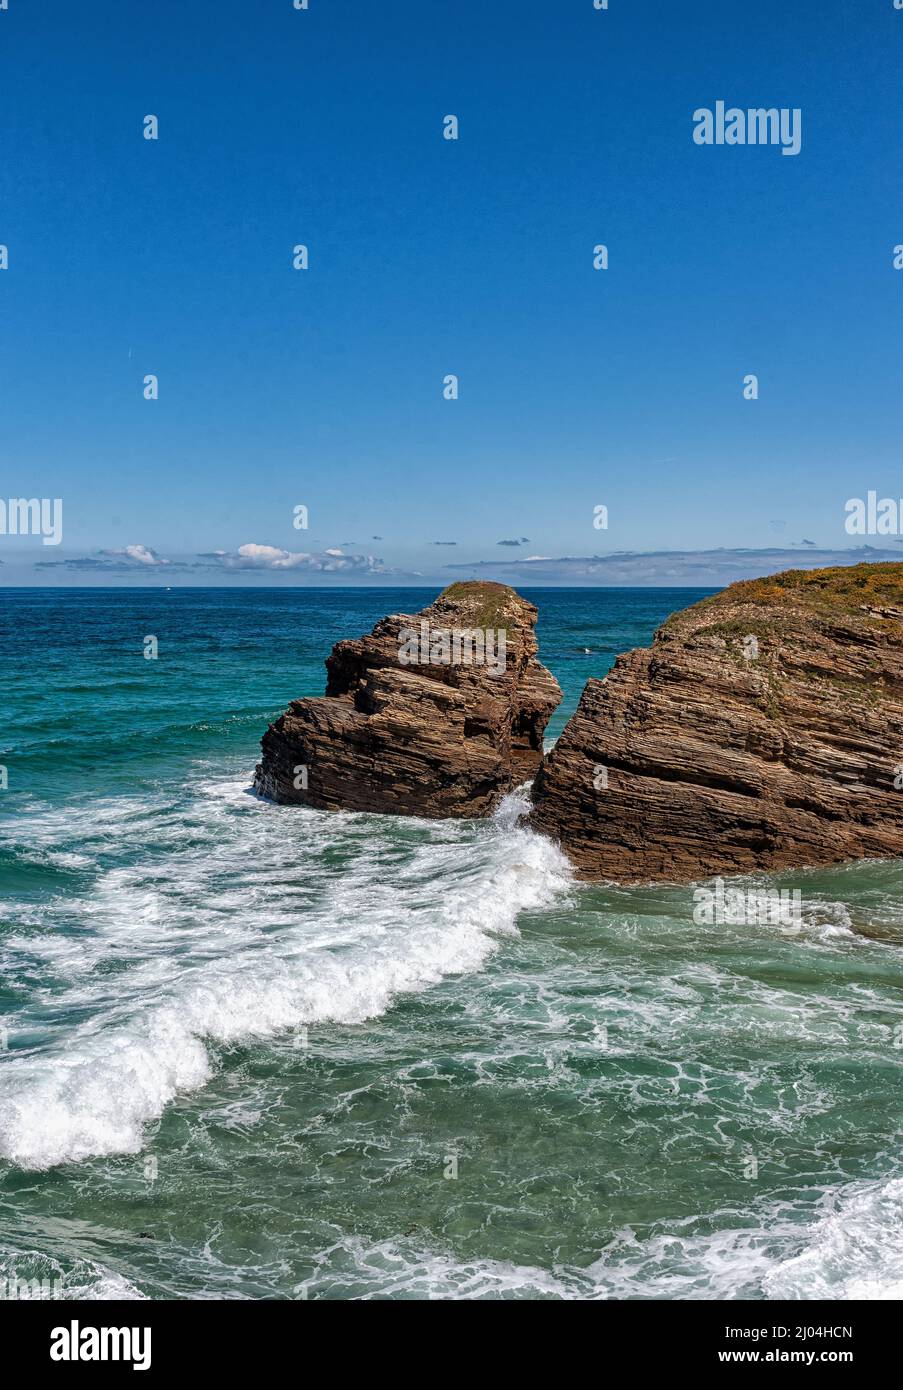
x,y
427,257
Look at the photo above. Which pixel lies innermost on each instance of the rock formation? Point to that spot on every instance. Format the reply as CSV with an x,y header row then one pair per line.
x,y
762,729
435,714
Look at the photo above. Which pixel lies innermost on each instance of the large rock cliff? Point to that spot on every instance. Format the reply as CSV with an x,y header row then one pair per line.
x,y
433,714
762,729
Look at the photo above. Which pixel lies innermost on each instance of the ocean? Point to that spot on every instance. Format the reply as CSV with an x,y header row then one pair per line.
x,y
250,1051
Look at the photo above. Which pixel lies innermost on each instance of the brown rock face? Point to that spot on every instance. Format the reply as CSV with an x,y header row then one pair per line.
x,y
761,730
435,714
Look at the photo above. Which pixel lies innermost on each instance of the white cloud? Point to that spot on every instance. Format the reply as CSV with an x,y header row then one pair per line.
x,y
253,556
270,557
140,554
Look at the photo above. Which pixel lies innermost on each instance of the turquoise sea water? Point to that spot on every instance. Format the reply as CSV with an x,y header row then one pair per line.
x,y
250,1051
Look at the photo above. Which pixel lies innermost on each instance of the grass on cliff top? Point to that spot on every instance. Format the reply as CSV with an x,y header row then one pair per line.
x,y
485,600
841,589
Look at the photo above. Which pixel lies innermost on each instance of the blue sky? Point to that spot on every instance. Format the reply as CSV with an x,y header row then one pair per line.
x,y
324,387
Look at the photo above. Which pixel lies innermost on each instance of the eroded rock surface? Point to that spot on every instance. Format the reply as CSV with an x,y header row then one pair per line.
x,y
408,725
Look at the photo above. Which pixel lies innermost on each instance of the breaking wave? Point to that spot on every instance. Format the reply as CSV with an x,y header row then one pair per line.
x,y
247,921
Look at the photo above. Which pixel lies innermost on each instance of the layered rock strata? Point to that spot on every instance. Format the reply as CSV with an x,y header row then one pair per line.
x,y
762,729
433,714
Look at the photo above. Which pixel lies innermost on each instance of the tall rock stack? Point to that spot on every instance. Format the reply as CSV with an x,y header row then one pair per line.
x,y
762,729
433,714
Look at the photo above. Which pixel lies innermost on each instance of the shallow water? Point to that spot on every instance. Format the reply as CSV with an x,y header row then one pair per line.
x,y
268,1052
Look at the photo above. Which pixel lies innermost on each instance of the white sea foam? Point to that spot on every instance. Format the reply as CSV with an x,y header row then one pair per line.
x,y
252,920
35,1276
354,1268
854,1250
